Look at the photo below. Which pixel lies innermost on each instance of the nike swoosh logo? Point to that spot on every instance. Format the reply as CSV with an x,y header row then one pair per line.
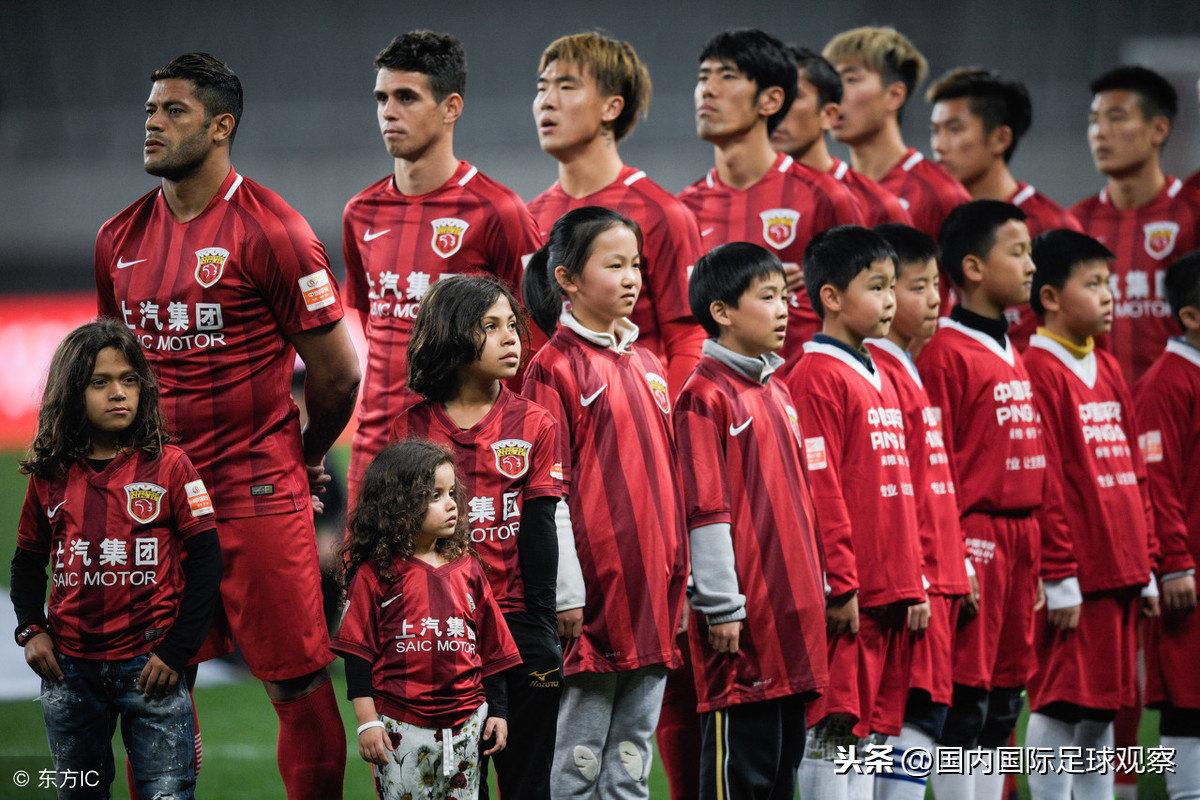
x,y
735,431
707,231
390,600
370,237
122,263
50,512
587,401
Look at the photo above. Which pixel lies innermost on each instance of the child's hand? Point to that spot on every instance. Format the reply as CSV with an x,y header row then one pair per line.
x,y
317,478
1179,595
724,636
157,679
1039,599
1151,607
374,746
842,617
969,607
1065,619
496,728
570,623
918,618
39,655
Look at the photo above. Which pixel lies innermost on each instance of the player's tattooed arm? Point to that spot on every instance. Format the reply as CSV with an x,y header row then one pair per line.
x,y
330,391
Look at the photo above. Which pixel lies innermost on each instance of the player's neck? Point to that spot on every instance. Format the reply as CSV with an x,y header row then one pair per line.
x,y
994,183
103,446
429,172
979,303
742,161
899,339
472,403
591,168
1192,337
876,154
835,328
1136,187
1054,324
816,155
425,549
187,198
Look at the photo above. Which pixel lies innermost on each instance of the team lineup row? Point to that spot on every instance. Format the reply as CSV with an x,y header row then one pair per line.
x,y
219,280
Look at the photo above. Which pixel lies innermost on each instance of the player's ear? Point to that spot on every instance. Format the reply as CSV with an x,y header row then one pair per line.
x,y
454,105
770,100
613,106
831,299
972,267
1000,139
1190,317
1049,297
894,95
565,281
829,114
1160,128
221,128
719,312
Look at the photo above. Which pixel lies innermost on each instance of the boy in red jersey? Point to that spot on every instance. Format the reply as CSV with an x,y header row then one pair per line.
x,y
978,118
977,379
801,135
857,464
224,284
433,217
1168,404
757,630
747,82
930,687
1147,218
591,90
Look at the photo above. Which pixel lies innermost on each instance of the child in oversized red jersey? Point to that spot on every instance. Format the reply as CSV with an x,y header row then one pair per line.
x,y
116,507
422,636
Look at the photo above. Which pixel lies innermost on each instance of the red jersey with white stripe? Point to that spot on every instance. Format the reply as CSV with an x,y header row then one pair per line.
x,y
115,540
622,482
782,211
396,247
857,465
671,245
926,190
988,418
1146,241
739,452
929,463
1041,214
877,204
432,635
1168,407
213,302
1096,520
508,457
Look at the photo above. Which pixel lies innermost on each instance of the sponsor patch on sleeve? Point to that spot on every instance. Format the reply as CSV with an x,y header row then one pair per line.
x,y
814,451
198,499
1151,444
556,471
317,290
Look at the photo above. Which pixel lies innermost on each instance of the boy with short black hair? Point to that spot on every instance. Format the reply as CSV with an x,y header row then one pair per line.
x,y
854,443
975,375
757,630
1168,404
1095,521
930,686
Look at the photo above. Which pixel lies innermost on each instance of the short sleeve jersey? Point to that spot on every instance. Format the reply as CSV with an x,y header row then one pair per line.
x,y
739,452
622,483
396,247
114,538
431,635
1146,241
926,190
877,204
782,212
213,302
672,245
508,457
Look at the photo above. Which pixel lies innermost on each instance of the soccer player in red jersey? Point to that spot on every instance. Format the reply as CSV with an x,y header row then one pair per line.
x,y
466,342
978,380
423,639
801,135
1096,521
949,585
857,465
128,526
978,118
223,284
757,630
747,81
1147,218
1168,407
591,90
622,541
433,217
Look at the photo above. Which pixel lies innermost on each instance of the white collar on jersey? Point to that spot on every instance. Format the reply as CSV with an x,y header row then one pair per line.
x,y
903,356
1005,352
756,369
626,329
1181,348
1084,368
847,359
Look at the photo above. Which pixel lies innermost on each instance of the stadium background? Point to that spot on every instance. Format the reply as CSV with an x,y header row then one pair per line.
x,y
74,75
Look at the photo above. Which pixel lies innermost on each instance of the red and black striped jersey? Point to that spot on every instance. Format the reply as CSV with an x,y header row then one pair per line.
x,y
782,211
396,247
739,453
508,457
877,204
432,635
213,302
622,482
115,543
857,465
926,190
1146,241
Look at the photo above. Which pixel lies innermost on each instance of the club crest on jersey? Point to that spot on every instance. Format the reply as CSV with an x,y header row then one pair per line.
x,y
512,456
143,501
448,235
795,422
779,226
658,388
1160,238
210,263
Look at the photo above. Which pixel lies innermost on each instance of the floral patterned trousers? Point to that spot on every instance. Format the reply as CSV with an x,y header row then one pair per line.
x,y
431,763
